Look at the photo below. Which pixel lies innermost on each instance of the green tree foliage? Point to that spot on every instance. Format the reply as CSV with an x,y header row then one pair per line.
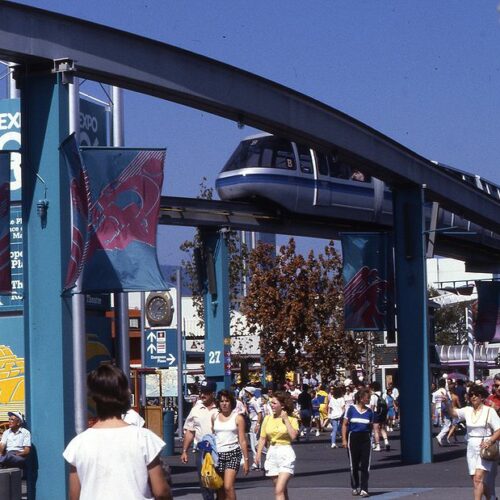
x,y
449,323
295,304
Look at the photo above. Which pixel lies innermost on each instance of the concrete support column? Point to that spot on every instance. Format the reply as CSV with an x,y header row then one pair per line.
x,y
413,340
47,315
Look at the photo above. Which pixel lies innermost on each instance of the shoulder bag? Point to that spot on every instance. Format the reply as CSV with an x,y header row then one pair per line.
x,y
490,453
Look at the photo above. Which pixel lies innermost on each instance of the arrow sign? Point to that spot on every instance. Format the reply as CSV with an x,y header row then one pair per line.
x,y
160,348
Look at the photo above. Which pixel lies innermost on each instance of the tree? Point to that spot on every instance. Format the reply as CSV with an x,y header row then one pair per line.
x,y
449,323
296,306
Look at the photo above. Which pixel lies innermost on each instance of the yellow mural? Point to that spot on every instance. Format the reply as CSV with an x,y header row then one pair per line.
x,y
11,382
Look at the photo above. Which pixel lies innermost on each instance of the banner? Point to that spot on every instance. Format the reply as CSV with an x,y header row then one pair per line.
x,y
368,279
116,201
487,324
5,278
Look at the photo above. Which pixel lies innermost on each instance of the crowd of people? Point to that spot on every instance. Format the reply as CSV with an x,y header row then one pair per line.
x,y
252,422
255,427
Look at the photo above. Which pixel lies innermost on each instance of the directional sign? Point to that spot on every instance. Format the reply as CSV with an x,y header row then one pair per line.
x,y
160,347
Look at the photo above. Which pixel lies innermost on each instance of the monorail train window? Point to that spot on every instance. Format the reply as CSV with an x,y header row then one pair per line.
x,y
339,169
305,159
322,163
276,153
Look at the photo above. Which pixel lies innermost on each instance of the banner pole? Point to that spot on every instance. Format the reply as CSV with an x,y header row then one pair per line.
x,y
121,299
180,371
78,299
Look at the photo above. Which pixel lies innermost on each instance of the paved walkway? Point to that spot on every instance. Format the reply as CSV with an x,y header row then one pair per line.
x,y
323,473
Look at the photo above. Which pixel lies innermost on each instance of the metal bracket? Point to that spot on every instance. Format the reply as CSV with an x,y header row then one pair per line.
x,y
67,69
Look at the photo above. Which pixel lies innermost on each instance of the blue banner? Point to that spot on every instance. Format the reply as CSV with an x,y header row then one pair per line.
x,y
487,323
5,281
368,281
117,248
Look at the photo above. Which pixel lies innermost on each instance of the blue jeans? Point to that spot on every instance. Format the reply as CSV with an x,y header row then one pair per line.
x,y
335,427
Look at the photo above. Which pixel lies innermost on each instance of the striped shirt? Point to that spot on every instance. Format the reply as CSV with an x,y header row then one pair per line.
x,y
359,421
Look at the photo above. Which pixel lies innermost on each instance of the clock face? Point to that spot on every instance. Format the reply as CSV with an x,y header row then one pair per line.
x,y
159,309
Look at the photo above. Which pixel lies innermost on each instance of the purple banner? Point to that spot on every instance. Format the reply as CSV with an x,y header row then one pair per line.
x,y
5,277
487,324
368,281
114,237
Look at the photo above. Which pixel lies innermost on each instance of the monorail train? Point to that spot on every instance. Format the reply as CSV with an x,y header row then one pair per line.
x,y
305,181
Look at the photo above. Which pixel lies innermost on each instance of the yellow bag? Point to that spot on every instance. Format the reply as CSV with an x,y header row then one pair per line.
x,y
209,476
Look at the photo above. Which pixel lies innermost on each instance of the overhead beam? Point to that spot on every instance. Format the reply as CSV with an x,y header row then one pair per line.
x,y
33,36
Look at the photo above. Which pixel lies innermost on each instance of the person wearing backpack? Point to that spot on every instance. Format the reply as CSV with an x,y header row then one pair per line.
x,y
379,406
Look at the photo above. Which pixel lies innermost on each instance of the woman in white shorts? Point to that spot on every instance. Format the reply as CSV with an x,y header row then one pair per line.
x,y
482,421
278,431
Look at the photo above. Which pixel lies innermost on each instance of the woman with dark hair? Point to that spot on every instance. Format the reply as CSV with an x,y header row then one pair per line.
x,y
482,422
356,437
114,460
278,431
231,443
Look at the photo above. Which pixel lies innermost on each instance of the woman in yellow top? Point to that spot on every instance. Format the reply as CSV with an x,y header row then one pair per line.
x,y
278,431
323,407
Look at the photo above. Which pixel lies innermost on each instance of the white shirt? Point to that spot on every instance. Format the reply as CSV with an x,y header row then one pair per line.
x,y
336,407
199,420
254,408
111,463
133,418
16,441
477,426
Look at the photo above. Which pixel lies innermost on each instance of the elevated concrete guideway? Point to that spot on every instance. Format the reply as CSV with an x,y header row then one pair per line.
x,y
38,37
39,41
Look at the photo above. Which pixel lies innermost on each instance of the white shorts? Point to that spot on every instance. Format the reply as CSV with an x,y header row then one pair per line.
x,y
280,458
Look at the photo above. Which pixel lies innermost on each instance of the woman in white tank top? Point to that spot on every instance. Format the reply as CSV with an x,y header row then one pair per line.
x,y
229,430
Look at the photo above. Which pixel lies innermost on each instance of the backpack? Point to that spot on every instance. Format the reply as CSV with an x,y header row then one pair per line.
x,y
382,408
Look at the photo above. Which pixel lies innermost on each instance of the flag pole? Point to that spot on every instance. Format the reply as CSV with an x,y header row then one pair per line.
x,y
78,299
180,365
121,299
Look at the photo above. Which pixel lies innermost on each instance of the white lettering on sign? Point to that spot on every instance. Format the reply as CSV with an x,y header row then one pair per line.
x,y
213,357
88,122
9,120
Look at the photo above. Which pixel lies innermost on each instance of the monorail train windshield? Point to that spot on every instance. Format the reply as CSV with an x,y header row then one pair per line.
x,y
264,152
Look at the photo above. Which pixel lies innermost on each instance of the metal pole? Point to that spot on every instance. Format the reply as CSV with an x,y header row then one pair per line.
x,y
143,353
470,341
78,299
121,299
13,91
180,392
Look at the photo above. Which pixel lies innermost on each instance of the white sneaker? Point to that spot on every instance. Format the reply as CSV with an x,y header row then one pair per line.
x,y
363,493
377,448
302,433
317,433
334,445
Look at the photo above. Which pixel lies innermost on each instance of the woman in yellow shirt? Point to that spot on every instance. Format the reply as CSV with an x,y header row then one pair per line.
x,y
278,431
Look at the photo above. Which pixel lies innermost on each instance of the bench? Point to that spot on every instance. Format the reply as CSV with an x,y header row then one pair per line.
x,y
10,484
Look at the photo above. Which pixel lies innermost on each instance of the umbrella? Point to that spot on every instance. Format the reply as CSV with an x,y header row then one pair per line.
x,y
457,376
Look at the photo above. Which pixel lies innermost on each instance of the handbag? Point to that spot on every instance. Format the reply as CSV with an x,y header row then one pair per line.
x,y
491,453
209,476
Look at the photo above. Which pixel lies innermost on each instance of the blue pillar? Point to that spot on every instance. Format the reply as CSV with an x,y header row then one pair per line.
x,y
47,321
413,341
216,302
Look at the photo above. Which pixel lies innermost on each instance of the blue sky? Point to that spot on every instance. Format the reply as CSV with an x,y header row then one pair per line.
x,y
425,73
